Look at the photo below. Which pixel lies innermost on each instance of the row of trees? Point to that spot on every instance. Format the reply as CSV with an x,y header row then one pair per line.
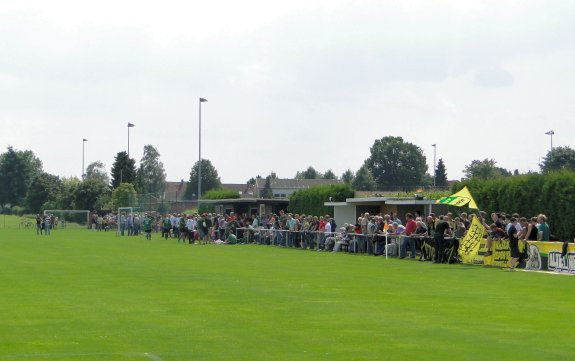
x,y
393,163
24,185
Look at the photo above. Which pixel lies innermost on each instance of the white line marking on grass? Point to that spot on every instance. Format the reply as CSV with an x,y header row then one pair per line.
x,y
71,355
550,272
153,357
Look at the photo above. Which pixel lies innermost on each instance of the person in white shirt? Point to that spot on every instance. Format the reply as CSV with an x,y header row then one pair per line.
x,y
327,233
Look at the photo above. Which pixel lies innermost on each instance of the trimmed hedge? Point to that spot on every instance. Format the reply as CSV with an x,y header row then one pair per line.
x,y
552,194
221,194
311,200
216,194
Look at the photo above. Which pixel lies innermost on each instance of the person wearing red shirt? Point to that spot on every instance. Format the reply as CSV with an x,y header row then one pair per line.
x,y
410,228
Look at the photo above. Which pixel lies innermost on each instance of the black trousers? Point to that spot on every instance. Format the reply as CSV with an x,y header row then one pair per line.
x,y
439,245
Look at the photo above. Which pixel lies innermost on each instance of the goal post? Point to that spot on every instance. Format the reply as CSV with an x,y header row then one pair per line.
x,y
69,218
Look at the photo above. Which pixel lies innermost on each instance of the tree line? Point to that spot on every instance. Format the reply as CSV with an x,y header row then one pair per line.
x,y
393,164
26,187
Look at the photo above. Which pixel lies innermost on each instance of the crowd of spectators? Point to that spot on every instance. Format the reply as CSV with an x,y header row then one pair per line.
x,y
321,233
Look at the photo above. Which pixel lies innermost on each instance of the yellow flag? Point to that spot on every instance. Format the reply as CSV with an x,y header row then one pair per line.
x,y
470,244
459,199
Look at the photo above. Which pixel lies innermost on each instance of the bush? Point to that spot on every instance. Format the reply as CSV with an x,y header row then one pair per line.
x,y
17,210
221,194
552,194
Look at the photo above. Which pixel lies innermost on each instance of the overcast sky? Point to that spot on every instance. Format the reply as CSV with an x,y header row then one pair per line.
x,y
290,84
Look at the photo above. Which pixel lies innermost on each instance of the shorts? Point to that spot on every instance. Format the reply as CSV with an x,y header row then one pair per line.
x,y
514,248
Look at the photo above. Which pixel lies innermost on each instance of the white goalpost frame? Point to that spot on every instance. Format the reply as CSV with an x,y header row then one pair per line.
x,y
62,212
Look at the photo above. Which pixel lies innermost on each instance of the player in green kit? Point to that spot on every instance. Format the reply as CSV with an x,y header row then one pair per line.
x,y
166,225
147,225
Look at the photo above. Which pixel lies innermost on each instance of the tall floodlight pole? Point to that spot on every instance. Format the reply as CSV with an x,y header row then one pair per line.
x,y
434,167
130,125
550,134
84,140
200,153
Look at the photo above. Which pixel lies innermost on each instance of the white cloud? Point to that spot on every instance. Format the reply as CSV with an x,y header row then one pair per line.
x,y
289,84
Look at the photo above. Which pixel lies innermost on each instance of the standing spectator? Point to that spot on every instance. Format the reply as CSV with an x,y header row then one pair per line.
x,y
532,231
327,233
513,243
136,225
123,223
174,224
410,228
291,223
430,222
441,230
459,229
39,225
190,225
209,224
130,225
543,228
47,224
314,232
465,220
222,227
369,238
382,227
497,222
183,230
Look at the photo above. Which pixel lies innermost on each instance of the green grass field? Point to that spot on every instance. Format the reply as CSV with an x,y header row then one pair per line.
x,y
82,295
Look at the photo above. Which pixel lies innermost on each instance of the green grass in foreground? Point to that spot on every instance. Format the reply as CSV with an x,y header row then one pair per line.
x,y
81,295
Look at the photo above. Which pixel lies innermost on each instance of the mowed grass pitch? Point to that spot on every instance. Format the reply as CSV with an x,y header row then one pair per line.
x,y
82,295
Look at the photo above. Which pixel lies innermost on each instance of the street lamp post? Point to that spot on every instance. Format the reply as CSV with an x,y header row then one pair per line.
x,y
200,153
84,140
550,134
434,167
130,125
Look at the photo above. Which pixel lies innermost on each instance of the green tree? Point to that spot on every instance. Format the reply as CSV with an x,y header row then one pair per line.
x,y
97,170
484,169
347,176
17,170
210,179
559,158
329,174
267,190
91,194
309,173
123,170
45,188
69,187
252,181
363,180
151,174
440,174
395,163
124,195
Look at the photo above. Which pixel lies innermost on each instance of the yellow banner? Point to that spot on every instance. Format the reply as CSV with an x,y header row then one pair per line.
x,y
469,245
459,199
